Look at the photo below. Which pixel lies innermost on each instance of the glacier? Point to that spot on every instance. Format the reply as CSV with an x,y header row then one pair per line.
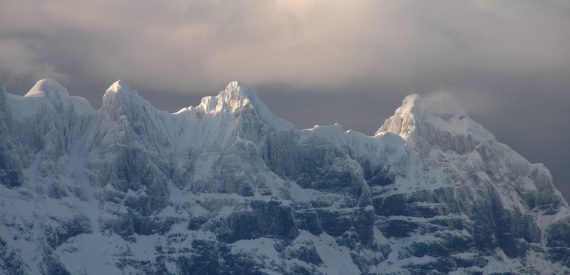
x,y
226,187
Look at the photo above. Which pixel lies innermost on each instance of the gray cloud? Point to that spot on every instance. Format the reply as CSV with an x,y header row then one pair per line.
x,y
313,61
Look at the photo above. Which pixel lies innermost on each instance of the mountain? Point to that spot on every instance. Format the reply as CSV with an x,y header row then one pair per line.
x,y
226,187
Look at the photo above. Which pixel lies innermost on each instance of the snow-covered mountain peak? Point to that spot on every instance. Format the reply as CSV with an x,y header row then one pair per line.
x,y
121,88
226,187
238,89
409,103
236,98
403,122
46,98
233,98
428,121
120,93
47,87
123,103
119,85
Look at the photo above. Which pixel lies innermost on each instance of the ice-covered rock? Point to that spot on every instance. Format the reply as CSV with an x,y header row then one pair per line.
x,y
227,187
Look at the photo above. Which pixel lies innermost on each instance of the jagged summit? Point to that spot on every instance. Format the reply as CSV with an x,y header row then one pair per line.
x,y
427,118
416,109
435,122
237,89
119,94
237,97
47,87
232,98
45,96
119,85
220,188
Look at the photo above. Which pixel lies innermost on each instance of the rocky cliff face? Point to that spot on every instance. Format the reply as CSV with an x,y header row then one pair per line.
x,y
227,188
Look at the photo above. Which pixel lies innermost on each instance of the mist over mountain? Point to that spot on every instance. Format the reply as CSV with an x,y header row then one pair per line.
x,y
226,187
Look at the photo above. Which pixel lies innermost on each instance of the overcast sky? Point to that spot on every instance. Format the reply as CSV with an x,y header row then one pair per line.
x,y
313,62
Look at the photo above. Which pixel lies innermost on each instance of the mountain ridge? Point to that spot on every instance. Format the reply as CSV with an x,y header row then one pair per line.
x,y
226,186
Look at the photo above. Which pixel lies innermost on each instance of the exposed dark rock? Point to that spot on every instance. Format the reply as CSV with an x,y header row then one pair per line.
x,y
210,257
134,223
271,218
305,252
226,188
10,262
397,228
364,224
558,241
335,221
67,229
50,265
308,219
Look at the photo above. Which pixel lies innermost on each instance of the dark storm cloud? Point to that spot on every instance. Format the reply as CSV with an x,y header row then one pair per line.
x,y
507,61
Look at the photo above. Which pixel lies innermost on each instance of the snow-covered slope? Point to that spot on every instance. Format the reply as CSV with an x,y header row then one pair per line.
x,y
228,188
